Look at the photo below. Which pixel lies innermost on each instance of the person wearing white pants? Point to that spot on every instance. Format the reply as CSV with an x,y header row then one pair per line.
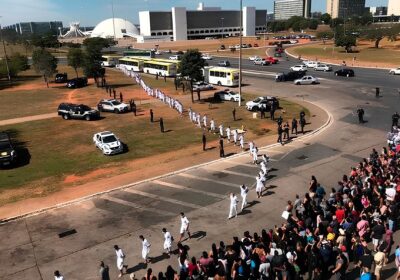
x,y
259,186
167,241
243,193
145,249
233,206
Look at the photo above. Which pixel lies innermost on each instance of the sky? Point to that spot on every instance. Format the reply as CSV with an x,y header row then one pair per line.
x,y
91,12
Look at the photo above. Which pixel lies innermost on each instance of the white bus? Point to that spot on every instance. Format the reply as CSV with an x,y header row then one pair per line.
x,y
162,68
222,76
131,63
109,60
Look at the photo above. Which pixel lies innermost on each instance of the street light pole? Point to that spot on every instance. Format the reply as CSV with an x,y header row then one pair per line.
x,y
5,54
240,53
112,8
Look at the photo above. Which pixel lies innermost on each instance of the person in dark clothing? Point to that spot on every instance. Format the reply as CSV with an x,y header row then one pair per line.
x,y
133,109
272,112
262,112
104,271
162,125
204,140
294,125
234,114
395,120
151,115
280,132
302,115
286,131
198,94
302,124
114,93
121,97
221,147
280,121
360,114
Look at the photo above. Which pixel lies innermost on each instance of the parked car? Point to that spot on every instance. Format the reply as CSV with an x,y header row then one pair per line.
x,y
8,153
271,59
206,56
323,67
345,72
254,57
307,80
278,55
395,71
112,105
180,52
77,82
202,86
255,45
290,76
175,57
249,46
227,95
261,61
108,143
222,47
299,68
74,111
262,102
224,63
61,78
311,64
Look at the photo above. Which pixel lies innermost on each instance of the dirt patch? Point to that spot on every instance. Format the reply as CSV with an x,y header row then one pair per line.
x,y
74,179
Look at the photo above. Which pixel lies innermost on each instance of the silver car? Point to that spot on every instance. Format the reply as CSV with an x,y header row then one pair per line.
x,y
307,80
323,67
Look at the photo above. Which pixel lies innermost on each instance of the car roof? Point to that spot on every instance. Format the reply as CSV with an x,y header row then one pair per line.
x,y
4,136
106,133
110,100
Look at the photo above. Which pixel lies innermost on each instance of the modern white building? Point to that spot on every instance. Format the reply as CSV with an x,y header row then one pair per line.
x,y
183,24
285,9
393,8
115,28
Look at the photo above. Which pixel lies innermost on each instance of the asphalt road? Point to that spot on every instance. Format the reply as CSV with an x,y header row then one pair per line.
x,y
31,248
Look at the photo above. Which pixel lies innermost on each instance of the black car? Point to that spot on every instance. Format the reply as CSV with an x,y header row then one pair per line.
x,y
345,72
77,82
290,76
224,63
75,111
222,47
180,52
61,78
8,154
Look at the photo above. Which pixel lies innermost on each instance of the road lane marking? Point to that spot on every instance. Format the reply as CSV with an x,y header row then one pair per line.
x,y
236,186
180,187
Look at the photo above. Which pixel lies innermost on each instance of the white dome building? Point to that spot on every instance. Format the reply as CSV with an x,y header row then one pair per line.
x,y
122,28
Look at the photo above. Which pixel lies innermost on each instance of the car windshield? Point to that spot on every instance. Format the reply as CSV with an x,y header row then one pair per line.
x,y
115,103
4,145
257,100
109,139
85,108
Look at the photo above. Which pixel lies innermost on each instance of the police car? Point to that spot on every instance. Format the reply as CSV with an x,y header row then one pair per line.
x,y
108,143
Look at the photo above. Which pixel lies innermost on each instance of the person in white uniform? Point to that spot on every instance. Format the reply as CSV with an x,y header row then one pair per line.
x,y
243,193
265,158
184,226
205,121
212,125
259,186
228,133
190,114
251,147
167,241
145,249
255,155
194,116
233,206
221,130
241,141
58,276
264,168
235,136
198,120
120,260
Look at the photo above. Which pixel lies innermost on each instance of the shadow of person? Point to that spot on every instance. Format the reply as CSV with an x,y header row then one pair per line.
x,y
199,234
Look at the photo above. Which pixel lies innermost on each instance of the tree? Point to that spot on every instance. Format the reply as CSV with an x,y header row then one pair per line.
x,y
313,24
48,40
19,61
44,63
191,65
336,22
377,34
346,41
75,59
326,18
92,55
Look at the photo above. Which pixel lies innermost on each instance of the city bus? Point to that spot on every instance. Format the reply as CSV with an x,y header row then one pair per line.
x,y
162,68
132,63
222,76
141,53
110,60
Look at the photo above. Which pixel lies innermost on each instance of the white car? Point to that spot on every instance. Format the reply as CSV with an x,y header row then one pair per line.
x,y
206,56
311,64
252,58
297,68
261,61
307,80
262,102
227,95
202,86
175,57
323,67
108,143
395,71
112,105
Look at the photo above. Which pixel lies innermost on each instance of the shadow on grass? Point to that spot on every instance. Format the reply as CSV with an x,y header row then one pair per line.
x,y
23,155
17,81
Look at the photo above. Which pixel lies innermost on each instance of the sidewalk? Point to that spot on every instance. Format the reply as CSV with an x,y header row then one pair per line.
x,y
145,171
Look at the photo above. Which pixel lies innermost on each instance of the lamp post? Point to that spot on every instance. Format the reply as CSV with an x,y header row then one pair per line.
x,y
222,35
5,53
240,53
112,9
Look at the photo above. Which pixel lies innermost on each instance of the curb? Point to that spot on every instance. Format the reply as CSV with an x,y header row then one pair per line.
x,y
88,197
336,64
